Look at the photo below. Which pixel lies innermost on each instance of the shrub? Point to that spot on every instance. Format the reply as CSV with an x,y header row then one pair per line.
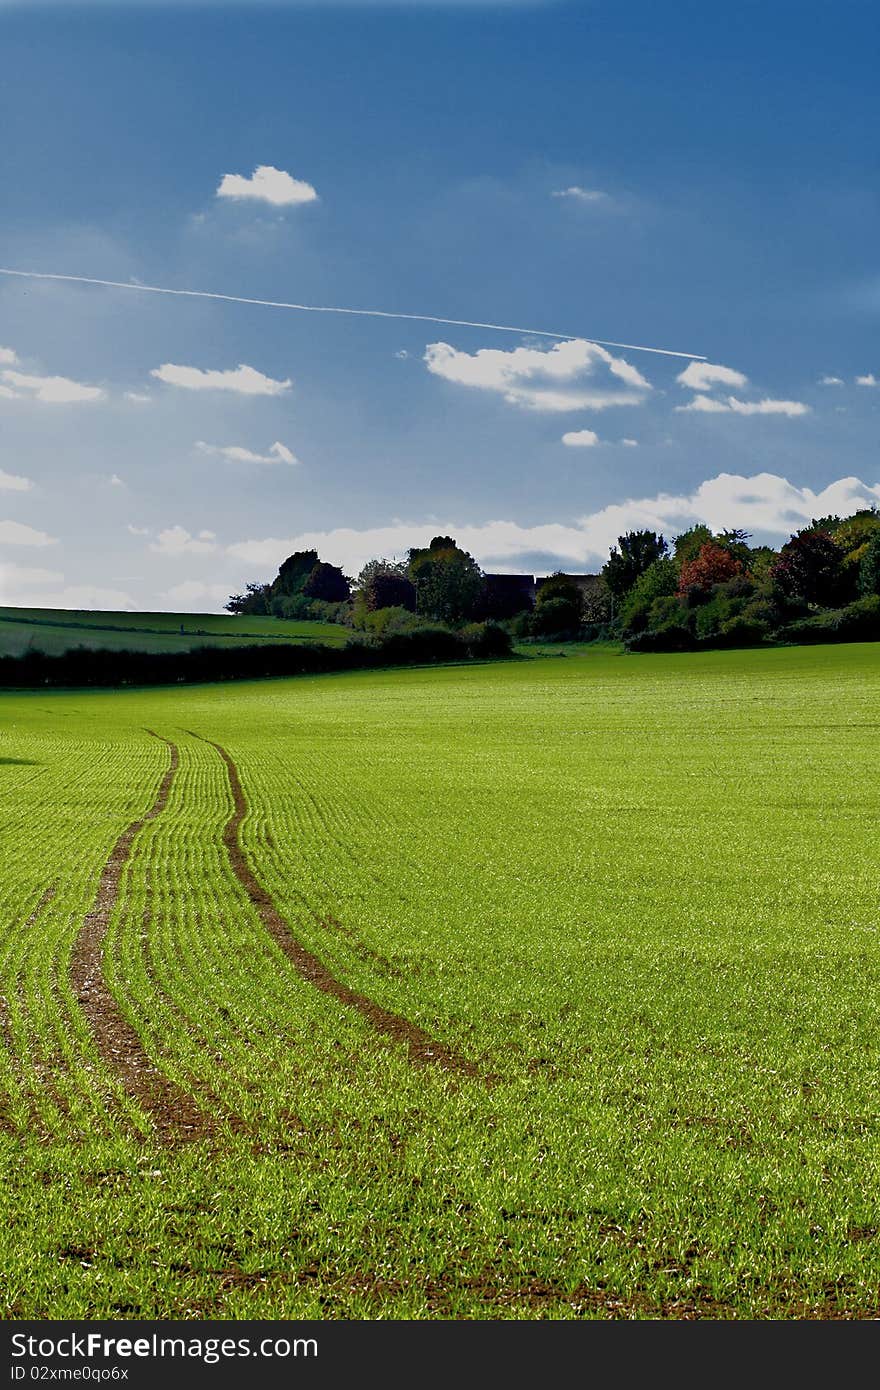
x,y
291,606
671,637
384,621
555,618
857,622
485,639
323,612
742,631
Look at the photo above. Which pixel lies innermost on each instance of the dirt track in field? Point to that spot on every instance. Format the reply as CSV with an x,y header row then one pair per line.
x,y
423,1049
174,1112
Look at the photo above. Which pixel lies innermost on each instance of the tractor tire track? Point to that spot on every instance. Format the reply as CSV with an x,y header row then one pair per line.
x,y
423,1049
174,1112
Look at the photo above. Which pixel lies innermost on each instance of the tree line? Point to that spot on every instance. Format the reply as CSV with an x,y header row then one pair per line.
x,y
705,589
439,584
711,589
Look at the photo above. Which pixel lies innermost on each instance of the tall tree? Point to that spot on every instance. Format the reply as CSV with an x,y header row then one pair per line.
x,y
327,582
714,564
294,572
632,555
810,568
385,584
448,581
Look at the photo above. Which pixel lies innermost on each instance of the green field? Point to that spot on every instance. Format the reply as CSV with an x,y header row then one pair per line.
x,y
543,989
57,630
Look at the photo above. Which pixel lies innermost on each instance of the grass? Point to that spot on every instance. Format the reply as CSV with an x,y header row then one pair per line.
x,y
56,630
639,894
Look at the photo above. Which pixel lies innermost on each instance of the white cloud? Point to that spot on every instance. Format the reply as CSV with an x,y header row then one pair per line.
x,y
277,453
51,390
630,443
12,482
16,533
138,398
244,380
7,393
115,480
733,406
18,583
831,381
175,540
702,376
402,354
7,357
581,195
193,591
705,404
545,370
137,530
88,596
26,586
763,503
868,380
267,185
580,439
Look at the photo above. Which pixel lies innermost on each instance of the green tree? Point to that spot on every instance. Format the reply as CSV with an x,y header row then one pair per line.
x,y
254,601
658,581
559,606
327,583
448,581
294,572
687,545
869,570
632,555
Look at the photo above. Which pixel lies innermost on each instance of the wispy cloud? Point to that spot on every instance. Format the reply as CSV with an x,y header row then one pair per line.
x,y
708,405
581,195
831,381
277,453
7,357
243,380
267,185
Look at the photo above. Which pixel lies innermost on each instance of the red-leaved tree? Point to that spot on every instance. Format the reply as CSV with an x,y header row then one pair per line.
x,y
713,564
810,567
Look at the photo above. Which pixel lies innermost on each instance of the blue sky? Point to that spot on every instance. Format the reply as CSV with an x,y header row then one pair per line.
x,y
701,178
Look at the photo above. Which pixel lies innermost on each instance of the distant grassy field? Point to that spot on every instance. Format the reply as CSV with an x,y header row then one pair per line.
x,y
546,989
55,630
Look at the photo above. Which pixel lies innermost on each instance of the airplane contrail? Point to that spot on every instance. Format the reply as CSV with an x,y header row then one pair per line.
x,y
332,309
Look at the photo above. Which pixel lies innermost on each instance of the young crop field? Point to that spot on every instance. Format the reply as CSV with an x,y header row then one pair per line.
x,y
538,989
57,630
